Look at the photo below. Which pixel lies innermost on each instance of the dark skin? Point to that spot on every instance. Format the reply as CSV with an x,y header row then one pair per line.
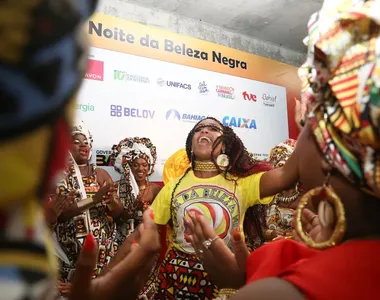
x,y
148,190
313,170
80,151
271,183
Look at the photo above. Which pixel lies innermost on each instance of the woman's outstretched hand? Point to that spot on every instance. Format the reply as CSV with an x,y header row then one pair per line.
x,y
128,271
227,269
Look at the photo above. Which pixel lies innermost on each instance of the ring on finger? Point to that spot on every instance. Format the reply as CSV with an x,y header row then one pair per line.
x,y
207,243
104,197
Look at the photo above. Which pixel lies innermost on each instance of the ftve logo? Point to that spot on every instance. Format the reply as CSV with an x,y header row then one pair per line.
x,y
249,97
95,70
131,112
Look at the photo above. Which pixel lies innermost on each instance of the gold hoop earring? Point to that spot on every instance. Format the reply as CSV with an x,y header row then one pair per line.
x,y
326,193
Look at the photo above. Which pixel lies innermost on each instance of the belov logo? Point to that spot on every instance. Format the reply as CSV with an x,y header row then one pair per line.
x,y
173,114
130,112
202,87
173,84
95,70
269,100
249,97
239,122
227,92
85,107
125,76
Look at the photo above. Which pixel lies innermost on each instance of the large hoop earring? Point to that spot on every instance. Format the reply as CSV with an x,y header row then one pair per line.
x,y
326,193
223,161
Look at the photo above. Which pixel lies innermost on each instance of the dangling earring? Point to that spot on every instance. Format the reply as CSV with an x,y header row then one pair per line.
x,y
329,200
223,161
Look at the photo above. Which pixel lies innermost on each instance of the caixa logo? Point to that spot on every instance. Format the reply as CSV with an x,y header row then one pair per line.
x,y
239,122
131,112
269,100
173,114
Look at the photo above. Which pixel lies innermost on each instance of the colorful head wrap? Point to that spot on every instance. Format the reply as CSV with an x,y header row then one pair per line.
x,y
81,129
176,165
124,154
279,154
341,86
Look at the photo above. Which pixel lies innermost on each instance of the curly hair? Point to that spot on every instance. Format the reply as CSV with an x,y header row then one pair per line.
x,y
241,164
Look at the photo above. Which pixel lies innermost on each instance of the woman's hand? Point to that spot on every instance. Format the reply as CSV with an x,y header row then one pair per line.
x,y
57,204
64,287
127,272
226,268
105,193
312,226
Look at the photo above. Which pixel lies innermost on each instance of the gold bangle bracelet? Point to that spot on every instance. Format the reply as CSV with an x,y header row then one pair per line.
x,y
85,202
225,294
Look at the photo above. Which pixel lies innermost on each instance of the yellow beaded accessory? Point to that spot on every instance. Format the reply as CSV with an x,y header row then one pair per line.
x,y
225,294
205,166
325,193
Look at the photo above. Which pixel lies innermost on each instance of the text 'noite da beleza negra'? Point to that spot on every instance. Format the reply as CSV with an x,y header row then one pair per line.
x,y
118,34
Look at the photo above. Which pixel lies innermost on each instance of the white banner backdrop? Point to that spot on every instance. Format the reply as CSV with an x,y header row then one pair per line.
x,y
127,96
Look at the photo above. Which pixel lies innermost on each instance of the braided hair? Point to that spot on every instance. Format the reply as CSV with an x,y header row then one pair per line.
x,y
241,164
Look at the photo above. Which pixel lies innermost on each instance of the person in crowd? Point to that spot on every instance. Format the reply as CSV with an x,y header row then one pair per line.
x,y
338,159
134,159
41,71
279,213
93,209
222,183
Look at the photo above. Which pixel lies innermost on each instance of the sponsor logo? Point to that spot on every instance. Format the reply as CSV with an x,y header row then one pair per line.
x,y
124,76
173,114
104,158
239,122
85,107
202,87
95,70
227,92
173,84
249,97
269,100
130,112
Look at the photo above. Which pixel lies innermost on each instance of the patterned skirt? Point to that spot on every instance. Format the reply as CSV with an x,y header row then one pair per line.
x,y
182,276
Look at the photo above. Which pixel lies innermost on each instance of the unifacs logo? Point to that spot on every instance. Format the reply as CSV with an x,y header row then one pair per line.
x,y
249,97
175,84
173,114
124,76
85,107
269,100
202,87
161,82
227,92
181,85
95,70
119,111
239,122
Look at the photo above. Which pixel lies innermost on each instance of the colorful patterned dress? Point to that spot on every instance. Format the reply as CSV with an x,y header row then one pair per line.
x,y
72,233
223,203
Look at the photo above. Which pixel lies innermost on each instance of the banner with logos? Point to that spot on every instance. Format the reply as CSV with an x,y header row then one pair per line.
x,y
146,82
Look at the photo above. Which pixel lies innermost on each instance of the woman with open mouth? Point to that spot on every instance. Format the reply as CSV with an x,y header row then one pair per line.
x,y
95,205
222,183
